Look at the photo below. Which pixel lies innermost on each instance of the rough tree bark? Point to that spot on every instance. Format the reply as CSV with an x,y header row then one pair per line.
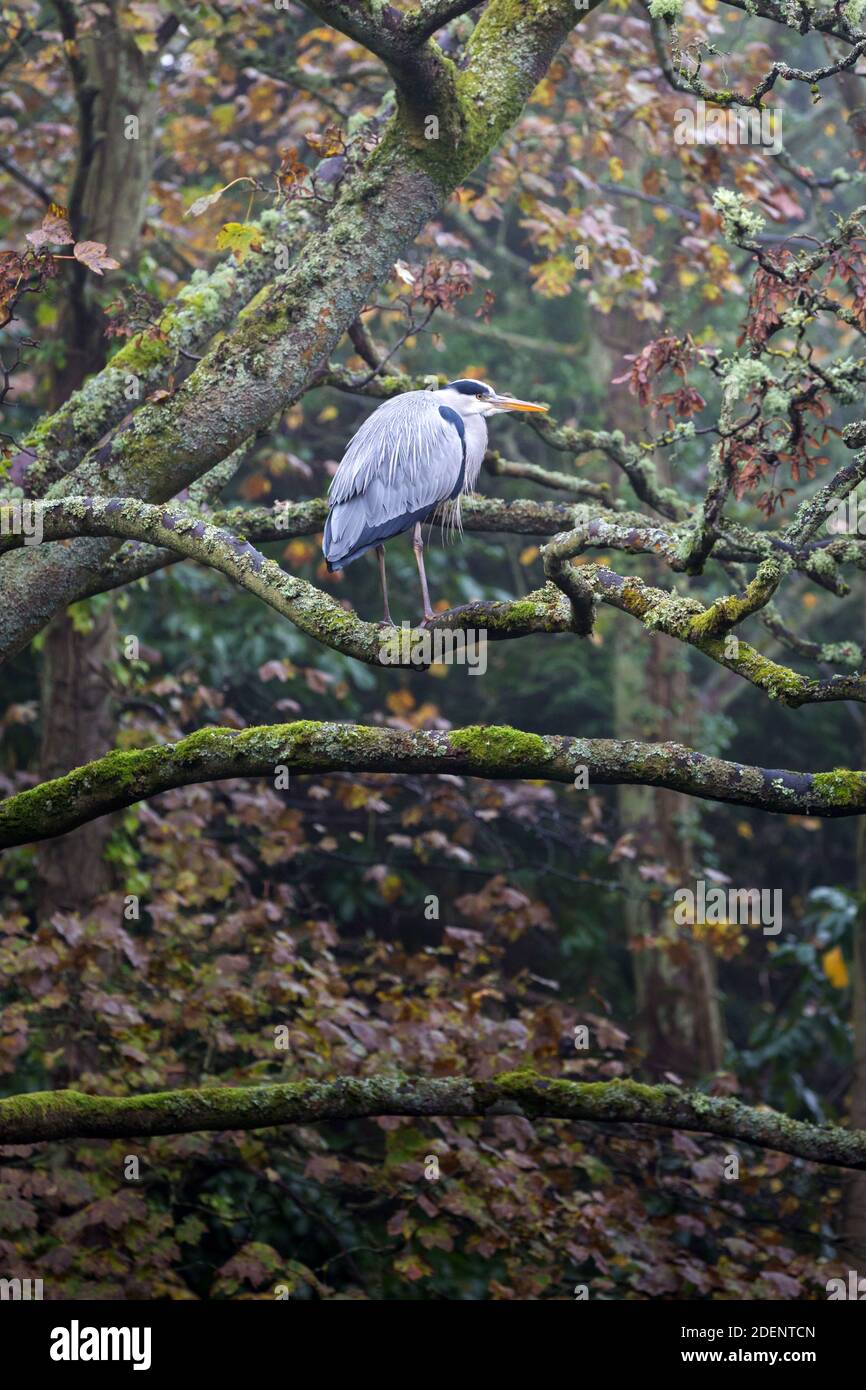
x,y
70,1114
678,1017
125,776
117,102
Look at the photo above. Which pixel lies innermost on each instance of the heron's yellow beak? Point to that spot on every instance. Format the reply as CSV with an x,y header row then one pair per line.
x,y
509,403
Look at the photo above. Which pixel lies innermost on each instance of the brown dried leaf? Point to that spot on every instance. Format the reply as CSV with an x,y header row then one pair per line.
x,y
94,255
55,229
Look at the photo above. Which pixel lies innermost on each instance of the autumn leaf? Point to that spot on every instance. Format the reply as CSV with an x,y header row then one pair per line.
x,y
55,229
298,553
223,116
94,255
255,486
400,702
202,204
291,170
553,278
327,145
391,888
412,1267
207,200
240,238
835,968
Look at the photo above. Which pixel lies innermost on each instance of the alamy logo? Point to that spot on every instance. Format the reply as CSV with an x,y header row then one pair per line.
x,y
18,1289
22,518
717,126
855,1288
76,1343
744,906
442,646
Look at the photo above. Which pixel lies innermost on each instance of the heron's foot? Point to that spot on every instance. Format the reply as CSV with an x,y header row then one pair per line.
x,y
386,622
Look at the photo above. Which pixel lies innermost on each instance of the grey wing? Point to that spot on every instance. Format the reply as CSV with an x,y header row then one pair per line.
x,y
406,459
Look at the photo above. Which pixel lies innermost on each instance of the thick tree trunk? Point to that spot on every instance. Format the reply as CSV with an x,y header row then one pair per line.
x,y
77,724
679,1022
117,109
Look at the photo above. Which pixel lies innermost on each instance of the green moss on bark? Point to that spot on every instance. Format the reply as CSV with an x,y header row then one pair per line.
x,y
499,744
842,787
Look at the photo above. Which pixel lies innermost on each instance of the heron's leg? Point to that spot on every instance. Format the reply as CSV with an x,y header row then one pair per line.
x,y
380,556
418,547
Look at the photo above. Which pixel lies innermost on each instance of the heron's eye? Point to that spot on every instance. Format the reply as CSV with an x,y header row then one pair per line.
x,y
481,395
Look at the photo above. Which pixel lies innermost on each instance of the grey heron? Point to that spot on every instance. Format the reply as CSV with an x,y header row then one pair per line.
x,y
417,453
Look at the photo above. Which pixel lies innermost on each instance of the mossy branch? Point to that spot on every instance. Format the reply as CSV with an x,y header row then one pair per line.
x,y
285,520
48,1115
707,629
685,618
208,305
124,777
546,477
633,533
320,616
314,612
424,79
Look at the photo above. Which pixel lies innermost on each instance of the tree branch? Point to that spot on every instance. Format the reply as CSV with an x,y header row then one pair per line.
x,y
545,477
124,777
320,616
46,1115
288,519
432,15
201,309
37,189
687,620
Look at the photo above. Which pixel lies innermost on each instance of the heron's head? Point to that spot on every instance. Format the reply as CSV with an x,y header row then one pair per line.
x,y
470,397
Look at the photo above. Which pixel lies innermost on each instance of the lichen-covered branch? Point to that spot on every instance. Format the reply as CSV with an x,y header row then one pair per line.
x,y
46,1115
424,80
687,620
206,306
815,510
546,477
314,612
166,529
124,777
285,520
